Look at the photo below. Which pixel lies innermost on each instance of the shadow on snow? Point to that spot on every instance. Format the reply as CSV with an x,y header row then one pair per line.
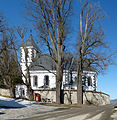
x,y
7,104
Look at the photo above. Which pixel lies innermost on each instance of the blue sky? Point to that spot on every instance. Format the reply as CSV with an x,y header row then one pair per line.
x,y
108,81
13,11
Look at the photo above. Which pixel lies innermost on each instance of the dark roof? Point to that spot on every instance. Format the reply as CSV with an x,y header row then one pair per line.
x,y
70,62
90,69
43,62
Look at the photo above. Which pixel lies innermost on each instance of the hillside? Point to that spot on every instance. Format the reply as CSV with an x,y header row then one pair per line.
x,y
114,101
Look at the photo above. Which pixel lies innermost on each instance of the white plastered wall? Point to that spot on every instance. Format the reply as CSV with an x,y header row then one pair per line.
x,y
40,75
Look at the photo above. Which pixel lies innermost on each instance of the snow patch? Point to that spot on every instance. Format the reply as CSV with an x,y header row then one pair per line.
x,y
19,109
10,102
114,115
80,117
97,117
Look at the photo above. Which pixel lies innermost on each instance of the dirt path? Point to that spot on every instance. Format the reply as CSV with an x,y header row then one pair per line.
x,y
74,113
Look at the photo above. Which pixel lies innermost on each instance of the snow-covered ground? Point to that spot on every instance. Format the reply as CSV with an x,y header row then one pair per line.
x,y
114,115
18,109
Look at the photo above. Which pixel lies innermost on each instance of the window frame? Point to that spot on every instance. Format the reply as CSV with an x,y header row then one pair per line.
x,y
35,81
46,80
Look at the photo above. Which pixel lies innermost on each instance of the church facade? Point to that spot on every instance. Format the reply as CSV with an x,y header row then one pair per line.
x,y
43,72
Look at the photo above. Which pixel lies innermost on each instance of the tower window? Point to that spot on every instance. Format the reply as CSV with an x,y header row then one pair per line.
x,y
35,81
46,80
21,56
89,79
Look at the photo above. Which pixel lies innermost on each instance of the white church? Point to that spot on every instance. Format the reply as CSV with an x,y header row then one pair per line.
x,y
43,79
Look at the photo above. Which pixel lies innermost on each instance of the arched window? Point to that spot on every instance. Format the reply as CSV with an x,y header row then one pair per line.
x,y
46,80
35,81
89,79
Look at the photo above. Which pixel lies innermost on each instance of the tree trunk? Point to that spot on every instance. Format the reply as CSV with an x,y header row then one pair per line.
x,y
12,92
30,93
79,89
59,77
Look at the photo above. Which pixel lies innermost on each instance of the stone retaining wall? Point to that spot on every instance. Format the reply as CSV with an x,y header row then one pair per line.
x,y
4,92
70,96
97,98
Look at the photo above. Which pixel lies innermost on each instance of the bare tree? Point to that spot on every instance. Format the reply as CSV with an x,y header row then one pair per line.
x,y
92,48
9,69
51,18
21,34
3,28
